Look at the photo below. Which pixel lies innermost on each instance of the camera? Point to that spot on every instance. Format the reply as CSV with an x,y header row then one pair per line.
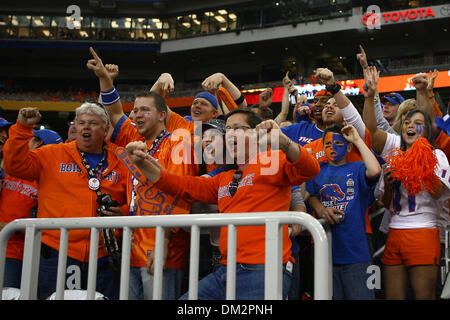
x,y
105,201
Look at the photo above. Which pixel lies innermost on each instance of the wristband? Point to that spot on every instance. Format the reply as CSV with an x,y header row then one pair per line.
x,y
239,100
333,88
223,94
110,96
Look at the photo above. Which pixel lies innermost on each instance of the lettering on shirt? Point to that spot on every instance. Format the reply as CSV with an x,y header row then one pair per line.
x,y
305,140
69,167
20,187
320,154
224,190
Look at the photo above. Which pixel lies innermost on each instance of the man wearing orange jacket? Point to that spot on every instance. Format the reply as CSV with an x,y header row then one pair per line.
x,y
72,178
257,185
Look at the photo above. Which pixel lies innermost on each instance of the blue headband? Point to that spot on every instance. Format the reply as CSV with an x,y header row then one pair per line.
x,y
208,96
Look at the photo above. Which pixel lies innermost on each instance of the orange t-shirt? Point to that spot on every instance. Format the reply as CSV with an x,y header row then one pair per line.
x,y
352,156
260,190
177,124
152,201
17,198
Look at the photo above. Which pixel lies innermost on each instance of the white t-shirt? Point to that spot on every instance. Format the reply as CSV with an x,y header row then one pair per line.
x,y
421,210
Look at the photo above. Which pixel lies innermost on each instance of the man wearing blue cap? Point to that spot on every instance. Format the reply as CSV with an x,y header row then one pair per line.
x,y
46,136
391,102
204,106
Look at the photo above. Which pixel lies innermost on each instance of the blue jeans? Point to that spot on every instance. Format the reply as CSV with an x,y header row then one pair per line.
x,y
108,281
249,283
294,292
13,273
141,284
350,282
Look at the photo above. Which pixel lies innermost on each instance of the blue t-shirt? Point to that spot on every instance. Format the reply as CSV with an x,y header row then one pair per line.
x,y
346,188
303,132
188,118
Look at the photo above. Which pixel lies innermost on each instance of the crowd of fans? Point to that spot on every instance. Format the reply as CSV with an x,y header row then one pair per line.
x,y
326,158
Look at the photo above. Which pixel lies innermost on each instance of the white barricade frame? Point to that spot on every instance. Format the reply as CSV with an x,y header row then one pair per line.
x,y
273,259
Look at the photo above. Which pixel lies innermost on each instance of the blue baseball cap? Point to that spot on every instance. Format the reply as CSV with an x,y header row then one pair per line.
x,y
394,98
4,123
48,136
210,97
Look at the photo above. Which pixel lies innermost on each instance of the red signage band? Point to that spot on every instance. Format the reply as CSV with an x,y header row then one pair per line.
x,y
352,87
372,19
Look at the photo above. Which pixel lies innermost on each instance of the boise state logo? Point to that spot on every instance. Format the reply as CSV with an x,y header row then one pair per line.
x,y
332,192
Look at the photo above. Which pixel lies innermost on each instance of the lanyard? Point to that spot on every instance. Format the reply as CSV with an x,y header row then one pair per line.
x,y
157,142
93,181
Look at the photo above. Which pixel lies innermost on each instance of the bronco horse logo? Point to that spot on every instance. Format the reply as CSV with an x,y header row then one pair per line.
x,y
332,192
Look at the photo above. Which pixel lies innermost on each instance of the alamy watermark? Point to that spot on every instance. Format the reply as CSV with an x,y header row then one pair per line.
x,y
74,20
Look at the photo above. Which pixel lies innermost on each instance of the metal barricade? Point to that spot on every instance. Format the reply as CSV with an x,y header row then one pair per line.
x,y
273,258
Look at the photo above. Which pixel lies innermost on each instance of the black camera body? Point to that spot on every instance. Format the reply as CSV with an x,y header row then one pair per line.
x,y
105,201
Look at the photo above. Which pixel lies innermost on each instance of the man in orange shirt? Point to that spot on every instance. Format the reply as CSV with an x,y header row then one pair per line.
x,y
204,107
241,190
17,199
72,178
150,111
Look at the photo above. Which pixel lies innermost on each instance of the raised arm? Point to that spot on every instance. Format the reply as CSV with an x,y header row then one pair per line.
x,y
378,136
109,95
287,84
382,123
269,130
349,112
422,84
18,160
213,82
163,86
325,76
373,168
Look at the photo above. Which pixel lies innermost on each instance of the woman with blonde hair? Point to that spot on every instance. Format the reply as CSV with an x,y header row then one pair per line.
x,y
403,109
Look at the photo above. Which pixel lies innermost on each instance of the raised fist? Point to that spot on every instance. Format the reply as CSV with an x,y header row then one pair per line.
x,y
137,151
324,76
420,81
29,116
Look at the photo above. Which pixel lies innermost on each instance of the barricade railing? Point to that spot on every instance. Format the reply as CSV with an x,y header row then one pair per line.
x,y
273,258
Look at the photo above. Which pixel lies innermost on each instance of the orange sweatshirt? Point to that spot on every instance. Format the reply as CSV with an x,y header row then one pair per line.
x,y
17,198
152,201
63,184
257,192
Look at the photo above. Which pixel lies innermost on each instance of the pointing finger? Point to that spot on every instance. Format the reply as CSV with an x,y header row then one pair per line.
x,y
94,54
362,49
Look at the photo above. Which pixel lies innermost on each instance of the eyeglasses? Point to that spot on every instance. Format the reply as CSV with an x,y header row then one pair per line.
x,y
233,186
237,128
